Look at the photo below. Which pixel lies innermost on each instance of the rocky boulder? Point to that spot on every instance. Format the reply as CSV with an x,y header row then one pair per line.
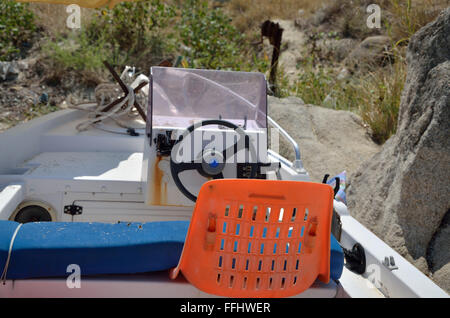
x,y
372,51
402,193
9,71
337,49
330,141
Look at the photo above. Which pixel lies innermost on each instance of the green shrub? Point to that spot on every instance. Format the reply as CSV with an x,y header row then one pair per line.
x,y
210,40
314,84
142,34
134,26
130,33
81,53
16,28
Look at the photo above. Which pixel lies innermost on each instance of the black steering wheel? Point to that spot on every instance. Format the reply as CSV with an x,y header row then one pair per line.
x,y
212,162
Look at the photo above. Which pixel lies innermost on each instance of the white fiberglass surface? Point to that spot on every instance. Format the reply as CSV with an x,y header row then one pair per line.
x,y
114,166
181,97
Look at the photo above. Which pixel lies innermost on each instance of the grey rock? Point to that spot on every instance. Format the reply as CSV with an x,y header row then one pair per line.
x,y
443,277
439,248
402,192
330,141
319,17
342,48
9,71
23,65
337,49
372,51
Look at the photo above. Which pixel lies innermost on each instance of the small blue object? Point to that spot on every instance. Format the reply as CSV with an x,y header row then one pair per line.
x,y
214,164
43,98
340,196
46,249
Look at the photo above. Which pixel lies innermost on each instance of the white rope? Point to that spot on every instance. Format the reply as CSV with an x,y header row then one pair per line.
x,y
11,244
106,93
113,113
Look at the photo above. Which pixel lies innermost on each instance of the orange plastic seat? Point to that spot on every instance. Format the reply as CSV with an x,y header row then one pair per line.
x,y
258,238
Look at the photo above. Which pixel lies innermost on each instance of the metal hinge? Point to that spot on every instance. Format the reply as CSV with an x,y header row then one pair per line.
x,y
73,209
389,262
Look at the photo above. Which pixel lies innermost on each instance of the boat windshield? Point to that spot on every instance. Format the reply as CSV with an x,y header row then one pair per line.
x,y
180,97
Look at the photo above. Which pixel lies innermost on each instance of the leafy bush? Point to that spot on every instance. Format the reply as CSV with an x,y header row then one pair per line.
x,y
16,28
314,84
210,39
140,33
130,33
132,25
81,53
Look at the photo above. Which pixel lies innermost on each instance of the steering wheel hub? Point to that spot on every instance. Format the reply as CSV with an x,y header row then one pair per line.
x,y
212,162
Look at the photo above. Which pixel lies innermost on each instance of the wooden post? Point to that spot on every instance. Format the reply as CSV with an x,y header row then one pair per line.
x,y
274,33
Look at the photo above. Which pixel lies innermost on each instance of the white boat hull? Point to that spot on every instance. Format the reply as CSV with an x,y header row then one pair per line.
x,y
47,160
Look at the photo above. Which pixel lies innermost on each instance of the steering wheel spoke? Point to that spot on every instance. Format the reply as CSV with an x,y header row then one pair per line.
x,y
231,151
184,166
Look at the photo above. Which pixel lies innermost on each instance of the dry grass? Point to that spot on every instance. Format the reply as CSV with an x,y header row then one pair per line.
x,y
249,14
406,17
400,18
53,17
379,100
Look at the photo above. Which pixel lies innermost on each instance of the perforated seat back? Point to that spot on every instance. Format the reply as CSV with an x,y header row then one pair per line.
x,y
258,238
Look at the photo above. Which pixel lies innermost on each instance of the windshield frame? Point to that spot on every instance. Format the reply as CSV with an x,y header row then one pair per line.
x,y
243,92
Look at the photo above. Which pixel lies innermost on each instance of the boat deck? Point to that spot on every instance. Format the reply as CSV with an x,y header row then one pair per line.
x,y
106,166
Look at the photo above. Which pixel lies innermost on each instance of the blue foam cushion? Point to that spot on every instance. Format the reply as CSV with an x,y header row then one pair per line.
x,y
46,249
